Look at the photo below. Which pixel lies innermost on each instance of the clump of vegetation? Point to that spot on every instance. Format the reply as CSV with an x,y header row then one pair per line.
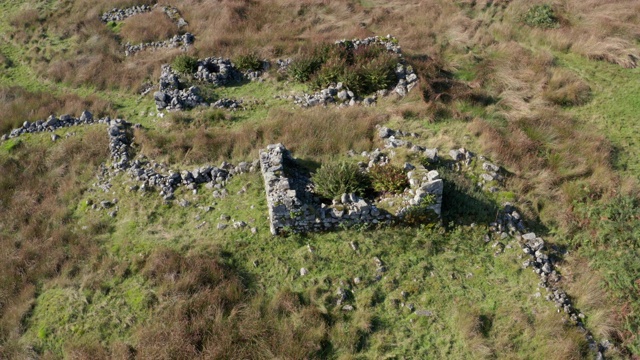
x,y
565,89
185,64
363,70
248,62
302,69
541,16
421,214
388,178
334,179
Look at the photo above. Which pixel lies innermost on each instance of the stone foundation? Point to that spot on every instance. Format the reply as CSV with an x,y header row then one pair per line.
x,y
293,208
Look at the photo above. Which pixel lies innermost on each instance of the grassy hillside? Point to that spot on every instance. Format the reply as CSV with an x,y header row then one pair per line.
x,y
548,90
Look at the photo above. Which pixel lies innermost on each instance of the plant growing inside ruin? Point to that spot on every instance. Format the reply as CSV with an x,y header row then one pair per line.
x,y
248,62
363,70
185,64
334,179
422,213
388,178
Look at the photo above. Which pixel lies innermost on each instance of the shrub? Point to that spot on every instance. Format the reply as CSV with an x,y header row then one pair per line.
x,y
248,62
301,70
541,16
379,73
185,64
334,179
363,70
388,178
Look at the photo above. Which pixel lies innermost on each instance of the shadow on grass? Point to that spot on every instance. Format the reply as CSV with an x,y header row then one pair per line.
x,y
464,203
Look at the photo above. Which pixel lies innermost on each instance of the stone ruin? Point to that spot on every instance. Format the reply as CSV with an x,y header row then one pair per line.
x,y
173,94
178,41
341,96
293,207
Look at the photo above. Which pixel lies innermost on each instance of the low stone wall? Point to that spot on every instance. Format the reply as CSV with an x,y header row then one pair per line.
x,y
343,97
53,123
117,14
172,94
509,223
177,41
293,208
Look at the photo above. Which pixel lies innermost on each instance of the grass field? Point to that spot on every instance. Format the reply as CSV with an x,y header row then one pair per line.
x,y
550,96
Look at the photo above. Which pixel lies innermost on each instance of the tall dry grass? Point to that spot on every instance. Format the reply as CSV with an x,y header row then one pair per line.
x,y
212,315
18,105
312,133
36,241
152,26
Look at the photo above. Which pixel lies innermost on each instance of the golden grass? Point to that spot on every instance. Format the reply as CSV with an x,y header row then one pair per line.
x,y
152,26
18,105
315,133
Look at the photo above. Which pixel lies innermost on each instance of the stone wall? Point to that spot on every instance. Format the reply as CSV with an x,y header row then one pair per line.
x,y
177,41
509,225
53,123
117,14
293,208
173,94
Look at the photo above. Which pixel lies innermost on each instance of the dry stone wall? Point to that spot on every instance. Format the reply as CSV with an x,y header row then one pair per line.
x,y
177,41
173,94
510,225
341,96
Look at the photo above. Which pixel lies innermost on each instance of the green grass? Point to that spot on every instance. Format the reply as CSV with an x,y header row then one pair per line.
x,y
613,109
455,275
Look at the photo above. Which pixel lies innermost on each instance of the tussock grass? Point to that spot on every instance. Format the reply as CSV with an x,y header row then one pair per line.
x,y
152,26
315,133
18,105
36,240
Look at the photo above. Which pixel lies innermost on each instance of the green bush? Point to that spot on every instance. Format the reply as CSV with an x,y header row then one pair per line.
x,y
248,62
379,73
541,16
334,179
185,64
363,71
302,69
388,178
